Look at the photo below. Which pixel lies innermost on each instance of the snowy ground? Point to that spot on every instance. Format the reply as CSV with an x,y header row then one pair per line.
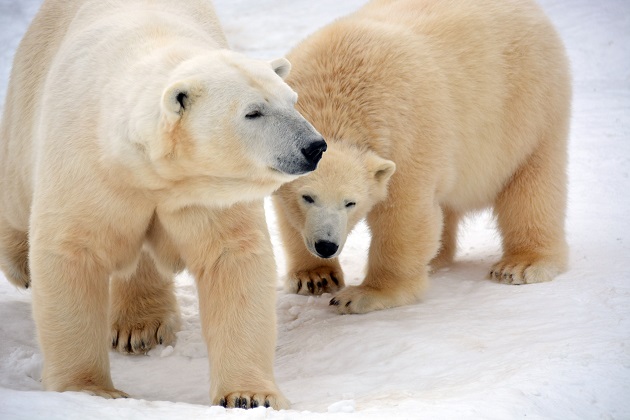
x,y
472,348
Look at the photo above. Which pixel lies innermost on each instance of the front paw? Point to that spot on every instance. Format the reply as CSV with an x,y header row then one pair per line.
x,y
99,391
247,400
362,299
524,270
314,281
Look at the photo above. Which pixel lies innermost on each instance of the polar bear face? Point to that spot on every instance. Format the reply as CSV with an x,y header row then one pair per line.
x,y
230,121
324,206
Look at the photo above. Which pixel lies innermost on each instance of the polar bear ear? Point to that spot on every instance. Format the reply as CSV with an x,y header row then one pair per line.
x,y
176,99
380,169
281,66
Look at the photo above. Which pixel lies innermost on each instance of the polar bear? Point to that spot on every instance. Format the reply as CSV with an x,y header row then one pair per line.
x,y
431,110
136,144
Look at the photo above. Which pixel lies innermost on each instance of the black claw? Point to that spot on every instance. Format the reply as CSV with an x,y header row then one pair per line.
x,y
161,340
244,403
334,279
267,404
128,346
143,345
348,304
237,402
26,286
115,341
311,286
254,403
325,282
299,286
223,402
319,284
334,302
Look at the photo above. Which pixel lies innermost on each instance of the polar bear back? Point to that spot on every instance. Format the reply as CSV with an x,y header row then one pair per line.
x,y
460,80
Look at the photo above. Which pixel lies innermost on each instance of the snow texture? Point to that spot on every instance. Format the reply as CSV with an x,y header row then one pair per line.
x,y
473,349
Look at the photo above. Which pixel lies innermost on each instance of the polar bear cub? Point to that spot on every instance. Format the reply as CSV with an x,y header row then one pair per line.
x,y
135,144
431,110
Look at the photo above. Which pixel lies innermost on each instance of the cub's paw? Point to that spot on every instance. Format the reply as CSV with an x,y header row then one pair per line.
x,y
138,336
362,299
523,270
97,391
315,281
247,400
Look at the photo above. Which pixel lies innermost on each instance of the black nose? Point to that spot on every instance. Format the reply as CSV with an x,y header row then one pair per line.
x,y
326,249
313,153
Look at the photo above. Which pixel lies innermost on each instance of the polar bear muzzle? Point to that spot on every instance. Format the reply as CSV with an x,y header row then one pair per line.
x,y
313,153
297,146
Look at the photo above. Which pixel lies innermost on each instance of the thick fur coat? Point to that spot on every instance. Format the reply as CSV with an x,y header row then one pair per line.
x,y
432,109
134,144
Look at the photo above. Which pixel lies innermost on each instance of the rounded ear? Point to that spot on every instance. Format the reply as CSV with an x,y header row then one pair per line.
x,y
381,169
176,99
281,66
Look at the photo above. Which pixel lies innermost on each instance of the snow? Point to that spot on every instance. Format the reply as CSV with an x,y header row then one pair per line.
x,y
473,348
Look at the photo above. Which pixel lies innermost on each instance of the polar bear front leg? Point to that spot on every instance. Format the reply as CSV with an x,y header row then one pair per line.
x,y
230,255
143,309
404,239
70,297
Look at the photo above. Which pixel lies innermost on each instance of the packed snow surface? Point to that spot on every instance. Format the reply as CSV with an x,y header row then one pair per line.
x,y
472,349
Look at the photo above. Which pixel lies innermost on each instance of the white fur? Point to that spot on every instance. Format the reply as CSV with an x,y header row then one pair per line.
x,y
129,150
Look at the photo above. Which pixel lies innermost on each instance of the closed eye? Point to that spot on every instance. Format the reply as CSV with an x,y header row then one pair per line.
x,y
308,199
350,204
253,115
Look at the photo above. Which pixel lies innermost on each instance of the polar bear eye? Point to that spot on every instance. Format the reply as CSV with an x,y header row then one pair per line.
x,y
253,115
350,204
308,199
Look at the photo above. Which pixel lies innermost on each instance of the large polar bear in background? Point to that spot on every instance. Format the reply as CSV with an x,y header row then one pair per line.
x,y
134,144
431,109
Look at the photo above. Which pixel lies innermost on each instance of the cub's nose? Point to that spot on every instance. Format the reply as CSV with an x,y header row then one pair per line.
x,y
313,153
326,249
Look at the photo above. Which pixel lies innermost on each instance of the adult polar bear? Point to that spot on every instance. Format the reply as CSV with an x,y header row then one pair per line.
x,y
132,135
470,99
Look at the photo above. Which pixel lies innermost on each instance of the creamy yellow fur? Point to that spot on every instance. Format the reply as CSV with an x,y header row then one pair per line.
x,y
470,99
132,148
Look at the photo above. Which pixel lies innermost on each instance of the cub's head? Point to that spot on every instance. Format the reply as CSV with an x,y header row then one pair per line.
x,y
325,205
230,121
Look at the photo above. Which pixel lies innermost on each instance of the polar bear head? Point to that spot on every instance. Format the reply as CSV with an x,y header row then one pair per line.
x,y
325,205
228,126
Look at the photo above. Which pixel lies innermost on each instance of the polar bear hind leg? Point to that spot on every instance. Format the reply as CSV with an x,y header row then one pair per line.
x,y
143,309
530,213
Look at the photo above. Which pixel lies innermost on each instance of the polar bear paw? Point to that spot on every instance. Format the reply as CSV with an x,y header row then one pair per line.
x,y
315,281
362,299
138,336
247,400
524,271
98,391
